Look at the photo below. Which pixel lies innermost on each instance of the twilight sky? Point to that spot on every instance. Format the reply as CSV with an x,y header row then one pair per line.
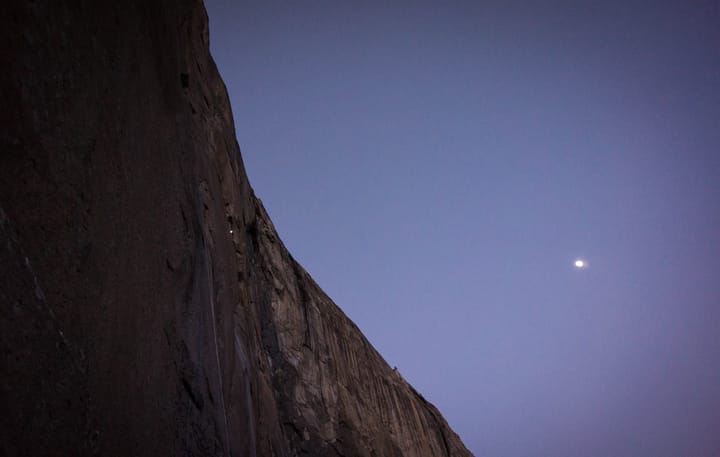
x,y
439,166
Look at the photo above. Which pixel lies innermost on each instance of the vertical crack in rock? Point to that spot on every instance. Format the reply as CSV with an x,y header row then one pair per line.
x,y
245,370
211,305
304,302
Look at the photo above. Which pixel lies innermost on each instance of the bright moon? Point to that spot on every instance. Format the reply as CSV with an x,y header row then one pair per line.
x,y
579,263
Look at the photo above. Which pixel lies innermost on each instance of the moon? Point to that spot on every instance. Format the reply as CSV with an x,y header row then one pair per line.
x,y
580,263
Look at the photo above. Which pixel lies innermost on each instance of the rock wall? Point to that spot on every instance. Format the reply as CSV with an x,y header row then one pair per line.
x,y
147,304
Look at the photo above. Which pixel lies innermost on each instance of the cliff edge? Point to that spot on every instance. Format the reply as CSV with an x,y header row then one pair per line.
x,y
148,306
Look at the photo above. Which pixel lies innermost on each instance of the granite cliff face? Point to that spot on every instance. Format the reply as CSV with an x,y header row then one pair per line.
x,y
148,305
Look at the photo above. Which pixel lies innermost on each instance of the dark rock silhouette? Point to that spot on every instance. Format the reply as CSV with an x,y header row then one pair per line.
x,y
148,306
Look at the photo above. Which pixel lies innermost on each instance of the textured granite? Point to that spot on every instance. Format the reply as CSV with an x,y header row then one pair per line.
x,y
147,304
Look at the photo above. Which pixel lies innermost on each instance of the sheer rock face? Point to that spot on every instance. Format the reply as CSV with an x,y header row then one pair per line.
x,y
147,305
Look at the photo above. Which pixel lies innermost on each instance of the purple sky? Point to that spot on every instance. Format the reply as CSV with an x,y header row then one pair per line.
x,y
437,167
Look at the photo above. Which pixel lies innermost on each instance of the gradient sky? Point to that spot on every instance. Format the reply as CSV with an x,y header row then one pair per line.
x,y
438,166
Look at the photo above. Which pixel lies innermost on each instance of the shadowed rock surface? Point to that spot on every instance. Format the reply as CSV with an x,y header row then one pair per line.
x,y
148,305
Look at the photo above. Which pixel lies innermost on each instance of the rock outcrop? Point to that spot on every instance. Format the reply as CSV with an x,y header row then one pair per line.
x,y
148,307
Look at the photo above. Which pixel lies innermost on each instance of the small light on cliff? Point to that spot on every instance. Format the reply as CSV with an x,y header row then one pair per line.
x,y
231,231
579,263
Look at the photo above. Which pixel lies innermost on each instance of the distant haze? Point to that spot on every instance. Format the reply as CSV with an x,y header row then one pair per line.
x,y
438,167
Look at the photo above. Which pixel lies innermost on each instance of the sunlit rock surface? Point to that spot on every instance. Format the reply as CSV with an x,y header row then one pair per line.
x,y
148,305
